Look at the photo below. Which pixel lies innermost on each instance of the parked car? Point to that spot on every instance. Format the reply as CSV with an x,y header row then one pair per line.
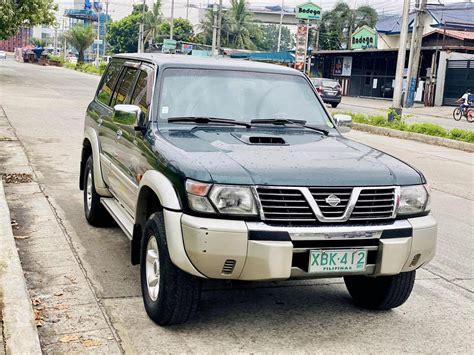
x,y
3,55
234,170
329,90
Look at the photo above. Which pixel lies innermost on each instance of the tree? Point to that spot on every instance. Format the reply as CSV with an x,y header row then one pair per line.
x,y
182,30
14,14
38,42
268,41
80,37
153,23
335,24
240,19
238,27
122,36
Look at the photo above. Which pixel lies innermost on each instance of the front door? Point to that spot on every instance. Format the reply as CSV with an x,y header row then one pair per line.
x,y
134,153
118,181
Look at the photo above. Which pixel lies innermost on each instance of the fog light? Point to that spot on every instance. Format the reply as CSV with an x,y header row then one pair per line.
x,y
415,260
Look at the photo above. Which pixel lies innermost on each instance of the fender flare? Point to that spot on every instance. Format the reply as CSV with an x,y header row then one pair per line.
x,y
162,187
91,135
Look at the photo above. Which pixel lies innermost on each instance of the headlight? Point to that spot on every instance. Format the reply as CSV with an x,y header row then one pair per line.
x,y
413,199
229,199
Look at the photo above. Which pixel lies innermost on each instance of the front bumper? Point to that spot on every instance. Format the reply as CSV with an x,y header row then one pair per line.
x,y
228,249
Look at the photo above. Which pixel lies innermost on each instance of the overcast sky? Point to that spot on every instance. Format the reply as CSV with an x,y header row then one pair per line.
x,y
121,8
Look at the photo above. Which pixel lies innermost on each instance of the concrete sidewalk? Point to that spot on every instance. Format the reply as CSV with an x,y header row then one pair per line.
x,y
384,104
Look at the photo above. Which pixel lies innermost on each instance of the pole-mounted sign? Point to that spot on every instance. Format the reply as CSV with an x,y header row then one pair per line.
x,y
308,11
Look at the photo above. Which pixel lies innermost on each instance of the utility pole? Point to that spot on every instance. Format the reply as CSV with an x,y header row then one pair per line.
x,y
281,23
214,30
105,25
97,55
397,91
65,42
351,23
219,27
187,9
141,34
415,51
172,19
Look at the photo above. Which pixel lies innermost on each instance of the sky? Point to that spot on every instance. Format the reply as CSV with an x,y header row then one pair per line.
x,y
121,8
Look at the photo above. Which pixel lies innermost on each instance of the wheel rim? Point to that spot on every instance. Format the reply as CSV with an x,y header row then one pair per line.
x,y
89,190
457,114
152,268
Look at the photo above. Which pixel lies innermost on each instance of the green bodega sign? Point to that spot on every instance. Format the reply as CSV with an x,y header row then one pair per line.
x,y
308,11
364,37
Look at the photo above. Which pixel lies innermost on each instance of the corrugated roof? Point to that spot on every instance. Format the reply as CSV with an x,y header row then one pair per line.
x,y
460,13
282,57
453,33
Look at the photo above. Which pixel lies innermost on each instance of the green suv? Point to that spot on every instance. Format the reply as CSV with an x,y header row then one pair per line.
x,y
233,170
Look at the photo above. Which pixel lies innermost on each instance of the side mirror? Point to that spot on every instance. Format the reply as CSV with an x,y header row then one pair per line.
x,y
126,114
343,122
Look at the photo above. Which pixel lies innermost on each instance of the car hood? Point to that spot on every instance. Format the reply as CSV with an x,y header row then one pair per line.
x,y
302,158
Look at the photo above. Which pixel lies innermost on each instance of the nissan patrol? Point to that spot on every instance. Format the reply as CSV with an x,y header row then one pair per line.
x,y
226,169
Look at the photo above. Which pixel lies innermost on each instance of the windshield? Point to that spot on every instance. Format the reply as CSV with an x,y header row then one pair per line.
x,y
238,95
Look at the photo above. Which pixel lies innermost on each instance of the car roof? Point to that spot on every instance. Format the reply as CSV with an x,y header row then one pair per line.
x,y
187,61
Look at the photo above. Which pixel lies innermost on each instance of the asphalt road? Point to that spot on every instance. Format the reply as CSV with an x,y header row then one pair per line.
x,y
46,107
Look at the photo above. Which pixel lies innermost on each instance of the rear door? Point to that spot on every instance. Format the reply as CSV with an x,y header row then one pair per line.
x,y
100,111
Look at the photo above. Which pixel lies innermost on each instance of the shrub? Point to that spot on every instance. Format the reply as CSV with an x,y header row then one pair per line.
x,y
429,129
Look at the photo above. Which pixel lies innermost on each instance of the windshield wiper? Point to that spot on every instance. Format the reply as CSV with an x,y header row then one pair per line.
x,y
284,121
197,119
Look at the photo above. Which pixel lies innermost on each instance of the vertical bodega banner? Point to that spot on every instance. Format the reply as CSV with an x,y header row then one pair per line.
x,y
301,46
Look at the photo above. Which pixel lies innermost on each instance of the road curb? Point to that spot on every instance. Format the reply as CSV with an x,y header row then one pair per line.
x,y
423,138
19,330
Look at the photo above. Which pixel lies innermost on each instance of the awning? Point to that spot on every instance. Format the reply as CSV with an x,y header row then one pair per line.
x,y
280,57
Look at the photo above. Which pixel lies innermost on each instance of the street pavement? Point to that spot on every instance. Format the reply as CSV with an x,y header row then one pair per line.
x,y
92,293
442,116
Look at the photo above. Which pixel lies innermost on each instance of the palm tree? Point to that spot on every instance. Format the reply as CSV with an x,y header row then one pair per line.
x,y
152,23
80,37
240,24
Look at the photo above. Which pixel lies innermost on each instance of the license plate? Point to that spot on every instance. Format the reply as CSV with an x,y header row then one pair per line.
x,y
337,260
331,93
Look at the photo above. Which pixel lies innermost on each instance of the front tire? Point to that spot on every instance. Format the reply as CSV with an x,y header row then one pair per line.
x,y
95,212
170,295
334,105
383,292
457,114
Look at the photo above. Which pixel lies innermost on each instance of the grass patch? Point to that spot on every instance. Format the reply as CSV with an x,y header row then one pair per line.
x,y
87,67
428,129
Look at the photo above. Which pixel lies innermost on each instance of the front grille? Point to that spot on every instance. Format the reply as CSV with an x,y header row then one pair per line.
x,y
321,194
288,206
285,205
374,204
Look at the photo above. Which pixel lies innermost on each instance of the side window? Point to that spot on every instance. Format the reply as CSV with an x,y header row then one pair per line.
x,y
104,93
140,97
124,86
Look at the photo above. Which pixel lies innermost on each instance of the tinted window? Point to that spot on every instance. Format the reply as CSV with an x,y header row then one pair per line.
x,y
124,86
330,84
140,96
107,84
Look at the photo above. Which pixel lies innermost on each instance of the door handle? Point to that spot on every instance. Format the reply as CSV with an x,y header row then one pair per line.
x,y
119,134
99,122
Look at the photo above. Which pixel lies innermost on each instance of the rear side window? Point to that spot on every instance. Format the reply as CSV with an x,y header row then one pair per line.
x,y
140,97
108,82
124,86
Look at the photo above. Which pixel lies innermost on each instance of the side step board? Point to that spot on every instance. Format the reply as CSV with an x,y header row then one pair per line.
x,y
122,218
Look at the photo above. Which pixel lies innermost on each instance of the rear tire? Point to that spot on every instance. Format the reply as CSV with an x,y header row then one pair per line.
x,y
383,292
470,116
334,105
170,295
457,114
95,212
